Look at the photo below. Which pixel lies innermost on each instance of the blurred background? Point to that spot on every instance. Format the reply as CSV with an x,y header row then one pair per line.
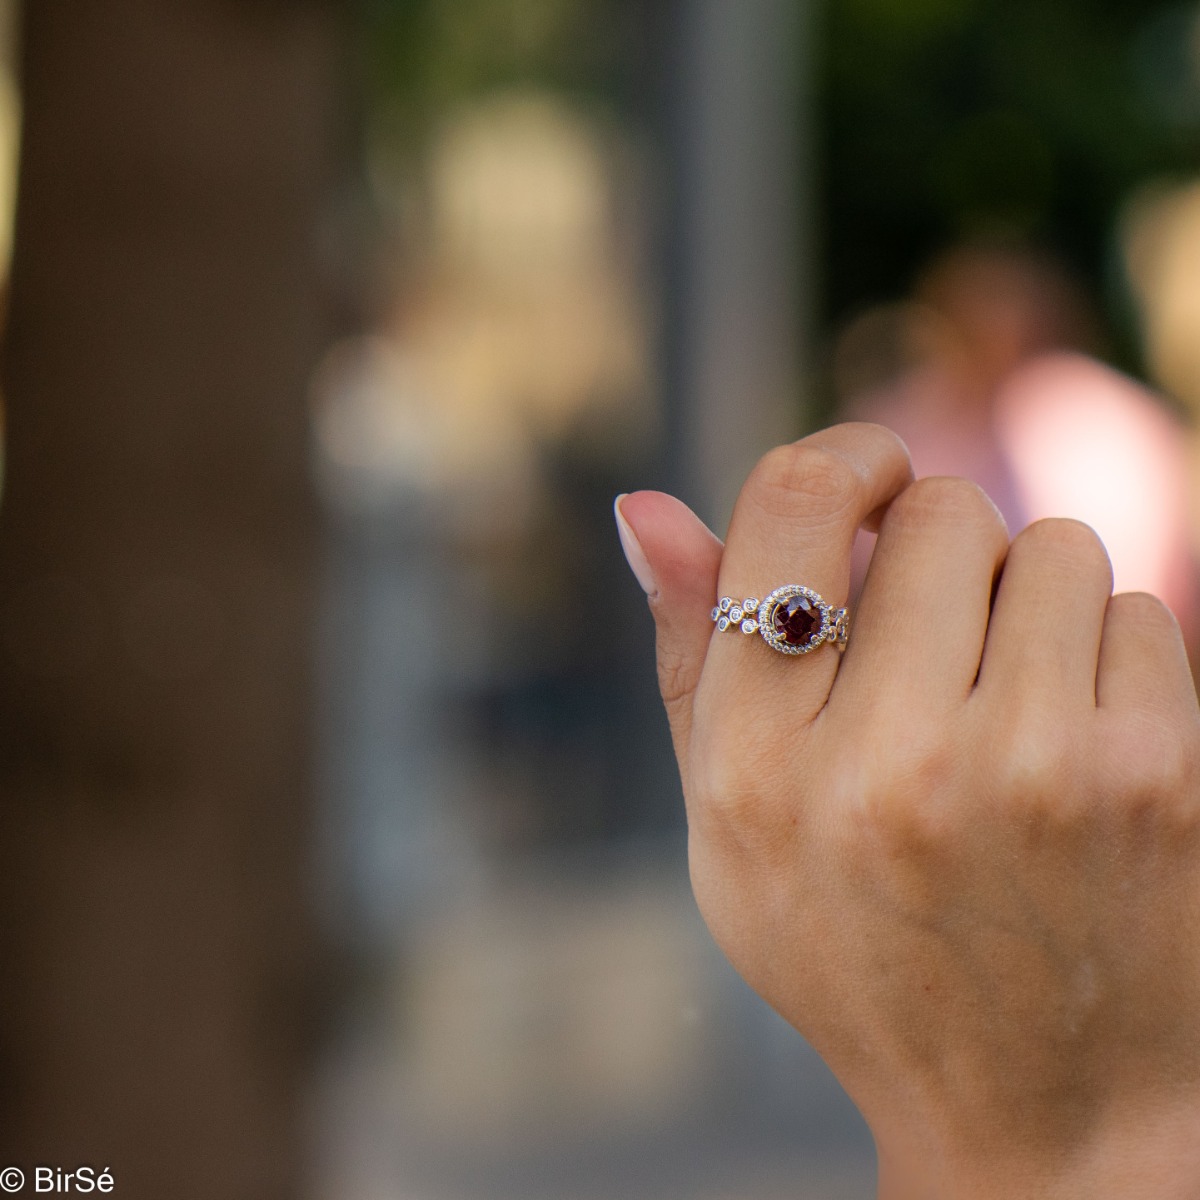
x,y
341,850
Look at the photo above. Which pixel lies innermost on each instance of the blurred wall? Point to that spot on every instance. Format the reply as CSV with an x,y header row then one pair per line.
x,y
744,262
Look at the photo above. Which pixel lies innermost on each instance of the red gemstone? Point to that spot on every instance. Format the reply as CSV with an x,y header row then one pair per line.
x,y
797,620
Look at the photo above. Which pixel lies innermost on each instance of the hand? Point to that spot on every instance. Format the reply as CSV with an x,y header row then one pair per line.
x,y
963,859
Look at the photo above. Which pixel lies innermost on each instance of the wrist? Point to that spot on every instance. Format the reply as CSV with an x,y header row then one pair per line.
x,y
1147,1151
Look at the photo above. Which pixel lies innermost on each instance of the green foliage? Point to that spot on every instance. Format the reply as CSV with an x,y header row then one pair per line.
x,y
945,118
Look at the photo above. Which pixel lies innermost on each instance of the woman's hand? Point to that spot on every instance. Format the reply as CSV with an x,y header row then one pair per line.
x,y
963,859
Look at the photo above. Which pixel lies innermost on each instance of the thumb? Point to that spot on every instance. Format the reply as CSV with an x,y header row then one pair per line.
x,y
675,558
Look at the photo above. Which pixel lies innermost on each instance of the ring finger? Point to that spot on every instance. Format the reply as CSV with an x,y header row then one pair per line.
x,y
794,523
1048,617
923,616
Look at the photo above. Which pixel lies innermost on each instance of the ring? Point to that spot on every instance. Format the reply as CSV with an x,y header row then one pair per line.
x,y
792,619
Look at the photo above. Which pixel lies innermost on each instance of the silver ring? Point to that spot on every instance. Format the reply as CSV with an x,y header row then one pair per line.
x,y
792,619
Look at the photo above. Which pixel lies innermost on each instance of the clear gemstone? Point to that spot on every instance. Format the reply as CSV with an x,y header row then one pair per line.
x,y
797,620
716,613
726,604
735,613
750,603
749,626
723,624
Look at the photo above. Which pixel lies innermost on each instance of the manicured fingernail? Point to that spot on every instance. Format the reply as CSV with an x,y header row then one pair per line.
x,y
634,555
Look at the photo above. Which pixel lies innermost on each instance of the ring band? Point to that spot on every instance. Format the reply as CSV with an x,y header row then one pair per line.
x,y
792,619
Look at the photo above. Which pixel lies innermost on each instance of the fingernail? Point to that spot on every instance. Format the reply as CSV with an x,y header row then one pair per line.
x,y
634,554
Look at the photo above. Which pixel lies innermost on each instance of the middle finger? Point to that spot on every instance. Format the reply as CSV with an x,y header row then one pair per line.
x,y
923,615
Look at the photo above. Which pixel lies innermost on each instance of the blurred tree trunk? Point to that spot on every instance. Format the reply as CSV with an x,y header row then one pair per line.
x,y
156,563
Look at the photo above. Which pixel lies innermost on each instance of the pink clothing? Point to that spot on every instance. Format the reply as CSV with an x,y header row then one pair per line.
x,y
1090,443
1069,437
944,437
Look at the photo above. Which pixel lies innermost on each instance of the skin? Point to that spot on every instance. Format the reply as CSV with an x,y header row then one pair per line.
x,y
963,858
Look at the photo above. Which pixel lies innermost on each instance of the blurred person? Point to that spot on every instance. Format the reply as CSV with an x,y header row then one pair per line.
x,y
963,859
982,374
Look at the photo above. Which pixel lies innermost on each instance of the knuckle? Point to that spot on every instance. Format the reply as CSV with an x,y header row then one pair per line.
x,y
811,475
730,807
1183,785
903,815
726,776
932,769
1030,760
1066,541
737,792
902,836
1154,767
1171,764
891,824
946,499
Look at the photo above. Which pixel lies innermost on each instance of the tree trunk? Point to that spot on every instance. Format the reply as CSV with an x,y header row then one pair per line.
x,y
156,580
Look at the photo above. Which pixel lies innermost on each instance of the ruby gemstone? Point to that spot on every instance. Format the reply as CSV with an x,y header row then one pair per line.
x,y
797,620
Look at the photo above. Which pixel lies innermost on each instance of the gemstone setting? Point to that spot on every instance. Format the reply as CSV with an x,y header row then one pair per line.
x,y
795,620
